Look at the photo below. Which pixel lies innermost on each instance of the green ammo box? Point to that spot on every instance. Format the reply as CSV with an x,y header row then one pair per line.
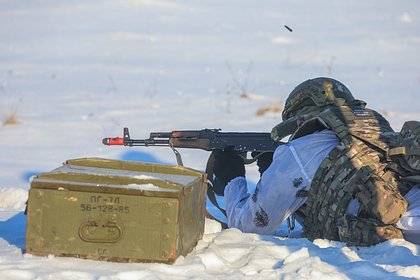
x,y
116,210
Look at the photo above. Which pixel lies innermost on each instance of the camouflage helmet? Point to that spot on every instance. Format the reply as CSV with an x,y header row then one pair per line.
x,y
307,101
315,94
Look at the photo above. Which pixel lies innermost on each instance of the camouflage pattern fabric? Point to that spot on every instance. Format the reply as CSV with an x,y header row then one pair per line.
x,y
407,154
355,169
372,164
316,93
410,138
365,232
307,100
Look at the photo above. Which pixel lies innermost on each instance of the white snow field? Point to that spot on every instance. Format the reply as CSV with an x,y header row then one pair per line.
x,y
73,72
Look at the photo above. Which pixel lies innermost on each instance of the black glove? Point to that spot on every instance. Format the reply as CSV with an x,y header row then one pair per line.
x,y
264,160
227,166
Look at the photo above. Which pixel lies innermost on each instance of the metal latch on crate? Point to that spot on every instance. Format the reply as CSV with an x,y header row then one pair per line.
x,y
100,232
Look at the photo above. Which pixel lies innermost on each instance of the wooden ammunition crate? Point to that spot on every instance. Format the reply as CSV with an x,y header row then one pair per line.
x,y
116,210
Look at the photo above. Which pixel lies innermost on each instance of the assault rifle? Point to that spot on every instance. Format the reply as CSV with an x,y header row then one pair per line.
x,y
205,139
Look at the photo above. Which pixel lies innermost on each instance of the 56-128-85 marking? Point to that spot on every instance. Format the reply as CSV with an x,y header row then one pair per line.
x,y
104,208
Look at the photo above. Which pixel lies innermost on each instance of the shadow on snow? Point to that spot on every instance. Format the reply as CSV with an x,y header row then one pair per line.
x,y
13,230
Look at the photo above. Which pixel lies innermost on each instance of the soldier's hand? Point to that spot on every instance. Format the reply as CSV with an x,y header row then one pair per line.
x,y
227,166
264,160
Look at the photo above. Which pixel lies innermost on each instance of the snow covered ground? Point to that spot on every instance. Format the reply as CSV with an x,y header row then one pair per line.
x,y
73,72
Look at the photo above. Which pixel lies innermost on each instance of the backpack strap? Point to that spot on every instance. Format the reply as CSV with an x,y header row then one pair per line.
x,y
404,151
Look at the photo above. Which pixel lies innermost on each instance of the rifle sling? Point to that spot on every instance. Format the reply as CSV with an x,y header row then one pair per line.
x,y
210,192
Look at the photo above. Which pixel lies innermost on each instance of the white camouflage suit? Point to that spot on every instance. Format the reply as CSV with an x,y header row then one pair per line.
x,y
275,197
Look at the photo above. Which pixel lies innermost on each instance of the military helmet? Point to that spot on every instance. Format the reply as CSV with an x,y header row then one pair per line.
x,y
315,94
